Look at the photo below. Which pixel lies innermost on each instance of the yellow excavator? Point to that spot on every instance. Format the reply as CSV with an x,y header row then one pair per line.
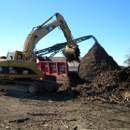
x,y
18,72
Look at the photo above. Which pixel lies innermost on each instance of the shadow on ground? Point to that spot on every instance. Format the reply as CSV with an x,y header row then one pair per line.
x,y
63,95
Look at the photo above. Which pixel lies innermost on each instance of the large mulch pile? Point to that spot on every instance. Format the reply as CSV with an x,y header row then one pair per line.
x,y
102,77
95,62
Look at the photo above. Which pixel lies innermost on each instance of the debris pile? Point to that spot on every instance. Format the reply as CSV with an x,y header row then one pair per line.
x,y
96,61
103,77
108,85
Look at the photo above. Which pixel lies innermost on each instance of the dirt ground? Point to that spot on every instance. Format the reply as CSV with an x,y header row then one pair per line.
x,y
97,99
63,110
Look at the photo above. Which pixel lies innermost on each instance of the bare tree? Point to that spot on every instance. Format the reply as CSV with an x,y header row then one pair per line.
x,y
127,61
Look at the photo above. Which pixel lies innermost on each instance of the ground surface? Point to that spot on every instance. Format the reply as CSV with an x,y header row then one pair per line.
x,y
60,111
97,99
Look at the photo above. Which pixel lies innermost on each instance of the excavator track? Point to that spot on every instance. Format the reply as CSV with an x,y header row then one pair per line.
x,y
31,87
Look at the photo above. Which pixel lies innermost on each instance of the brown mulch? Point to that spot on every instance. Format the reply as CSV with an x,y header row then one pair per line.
x,y
100,76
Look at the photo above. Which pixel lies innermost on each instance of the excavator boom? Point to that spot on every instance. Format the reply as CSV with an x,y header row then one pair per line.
x,y
40,31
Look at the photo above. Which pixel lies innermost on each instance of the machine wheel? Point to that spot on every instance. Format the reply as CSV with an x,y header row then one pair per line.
x,y
49,87
32,89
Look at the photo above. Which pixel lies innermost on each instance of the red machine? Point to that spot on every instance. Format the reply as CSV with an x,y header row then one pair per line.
x,y
55,70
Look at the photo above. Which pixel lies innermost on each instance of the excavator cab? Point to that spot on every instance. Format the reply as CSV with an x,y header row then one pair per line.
x,y
10,56
15,55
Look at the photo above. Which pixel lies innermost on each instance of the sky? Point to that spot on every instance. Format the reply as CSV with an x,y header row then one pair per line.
x,y
107,20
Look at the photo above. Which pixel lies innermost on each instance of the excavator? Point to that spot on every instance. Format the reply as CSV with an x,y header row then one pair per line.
x,y
18,72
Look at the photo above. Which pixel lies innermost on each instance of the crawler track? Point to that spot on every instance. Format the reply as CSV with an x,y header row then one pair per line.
x,y
33,87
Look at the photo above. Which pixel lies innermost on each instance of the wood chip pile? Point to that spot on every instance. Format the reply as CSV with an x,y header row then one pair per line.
x,y
102,76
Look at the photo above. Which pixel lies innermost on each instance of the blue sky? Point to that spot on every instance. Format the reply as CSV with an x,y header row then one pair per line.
x,y
107,20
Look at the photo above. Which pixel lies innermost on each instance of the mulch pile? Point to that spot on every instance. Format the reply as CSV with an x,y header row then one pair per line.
x,y
102,77
95,62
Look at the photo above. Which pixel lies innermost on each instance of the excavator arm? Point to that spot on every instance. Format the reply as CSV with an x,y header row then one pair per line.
x,y
40,31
